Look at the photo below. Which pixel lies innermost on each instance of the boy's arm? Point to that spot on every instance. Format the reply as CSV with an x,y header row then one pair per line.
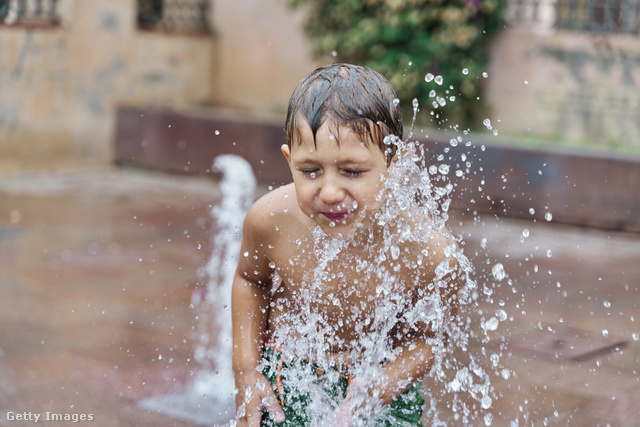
x,y
415,354
250,314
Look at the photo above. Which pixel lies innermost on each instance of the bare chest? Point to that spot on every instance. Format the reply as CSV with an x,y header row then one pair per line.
x,y
345,296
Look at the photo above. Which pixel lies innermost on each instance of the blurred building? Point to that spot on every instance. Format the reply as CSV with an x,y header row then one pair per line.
x,y
562,70
66,65
569,70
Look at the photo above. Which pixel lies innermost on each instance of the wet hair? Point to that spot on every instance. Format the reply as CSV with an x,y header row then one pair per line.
x,y
348,95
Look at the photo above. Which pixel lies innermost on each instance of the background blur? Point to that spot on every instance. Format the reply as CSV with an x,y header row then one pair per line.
x,y
103,266
561,72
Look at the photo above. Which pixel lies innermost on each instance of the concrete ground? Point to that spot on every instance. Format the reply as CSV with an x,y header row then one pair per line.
x,y
98,270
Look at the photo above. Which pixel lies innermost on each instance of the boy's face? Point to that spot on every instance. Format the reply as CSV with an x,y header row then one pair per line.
x,y
336,183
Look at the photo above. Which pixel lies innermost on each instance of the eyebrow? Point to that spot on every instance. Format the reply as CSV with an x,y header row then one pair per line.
x,y
342,162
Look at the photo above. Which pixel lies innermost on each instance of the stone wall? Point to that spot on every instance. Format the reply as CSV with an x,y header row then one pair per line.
x,y
571,87
60,85
262,53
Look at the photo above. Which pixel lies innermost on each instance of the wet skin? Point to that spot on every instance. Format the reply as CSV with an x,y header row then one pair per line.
x,y
334,187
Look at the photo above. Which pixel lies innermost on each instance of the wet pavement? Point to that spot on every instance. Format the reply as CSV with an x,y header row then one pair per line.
x,y
97,272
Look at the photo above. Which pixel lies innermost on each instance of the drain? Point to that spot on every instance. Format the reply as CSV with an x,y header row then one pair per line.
x,y
564,343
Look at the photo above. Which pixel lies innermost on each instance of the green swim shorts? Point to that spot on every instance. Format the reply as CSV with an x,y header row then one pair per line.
x,y
404,410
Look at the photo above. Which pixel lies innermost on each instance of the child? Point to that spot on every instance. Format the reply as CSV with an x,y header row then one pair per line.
x,y
332,310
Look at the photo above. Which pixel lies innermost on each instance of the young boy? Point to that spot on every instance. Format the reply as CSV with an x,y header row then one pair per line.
x,y
323,306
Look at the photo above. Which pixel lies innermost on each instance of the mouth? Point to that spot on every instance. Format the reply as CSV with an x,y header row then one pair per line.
x,y
335,216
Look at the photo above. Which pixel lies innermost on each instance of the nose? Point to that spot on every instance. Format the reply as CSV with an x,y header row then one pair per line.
x,y
331,191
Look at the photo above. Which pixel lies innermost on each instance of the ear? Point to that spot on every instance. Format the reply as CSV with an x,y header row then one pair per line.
x,y
286,151
399,151
393,159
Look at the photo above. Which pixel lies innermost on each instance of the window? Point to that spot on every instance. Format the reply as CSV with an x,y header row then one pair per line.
x,y
28,12
184,16
603,16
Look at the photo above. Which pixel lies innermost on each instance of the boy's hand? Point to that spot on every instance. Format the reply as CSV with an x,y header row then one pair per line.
x,y
352,404
257,397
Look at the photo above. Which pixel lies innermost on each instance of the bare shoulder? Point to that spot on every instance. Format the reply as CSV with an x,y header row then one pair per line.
x,y
438,248
440,264
270,211
443,241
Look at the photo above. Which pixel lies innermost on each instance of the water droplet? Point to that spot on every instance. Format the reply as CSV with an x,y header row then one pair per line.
x,y
334,53
486,403
438,80
395,252
432,94
428,77
498,272
491,324
217,132
607,304
525,232
465,71
548,216
532,211
487,124
485,74
605,333
396,102
635,336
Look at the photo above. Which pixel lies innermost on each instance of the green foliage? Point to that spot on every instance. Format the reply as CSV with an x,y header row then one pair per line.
x,y
406,39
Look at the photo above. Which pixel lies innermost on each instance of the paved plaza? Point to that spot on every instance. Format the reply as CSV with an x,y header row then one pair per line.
x,y
98,270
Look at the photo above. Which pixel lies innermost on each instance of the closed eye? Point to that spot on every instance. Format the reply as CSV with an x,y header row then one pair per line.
x,y
352,174
309,172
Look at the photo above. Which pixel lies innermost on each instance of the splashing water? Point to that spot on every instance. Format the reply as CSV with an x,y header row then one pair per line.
x,y
210,399
237,187
414,210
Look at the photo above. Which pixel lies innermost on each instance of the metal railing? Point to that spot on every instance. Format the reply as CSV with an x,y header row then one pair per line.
x,y
185,16
601,16
28,12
